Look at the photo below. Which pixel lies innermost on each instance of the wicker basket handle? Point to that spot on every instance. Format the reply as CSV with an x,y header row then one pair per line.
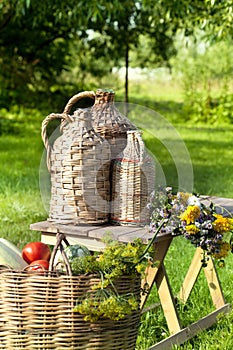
x,y
65,115
76,98
49,118
61,238
4,267
64,118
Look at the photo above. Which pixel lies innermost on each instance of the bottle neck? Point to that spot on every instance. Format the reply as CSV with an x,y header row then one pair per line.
x,y
104,96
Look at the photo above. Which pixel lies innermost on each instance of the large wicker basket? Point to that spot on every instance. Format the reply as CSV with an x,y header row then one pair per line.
x,y
37,313
79,162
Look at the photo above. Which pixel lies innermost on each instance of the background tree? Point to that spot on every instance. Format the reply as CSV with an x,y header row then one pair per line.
x,y
34,47
40,41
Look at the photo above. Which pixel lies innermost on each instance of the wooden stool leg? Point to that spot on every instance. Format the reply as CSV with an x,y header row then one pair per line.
x,y
191,276
161,248
167,300
214,284
211,277
179,336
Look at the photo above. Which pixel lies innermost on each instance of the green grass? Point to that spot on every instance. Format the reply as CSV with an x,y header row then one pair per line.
x,y
211,150
196,156
153,324
174,143
20,201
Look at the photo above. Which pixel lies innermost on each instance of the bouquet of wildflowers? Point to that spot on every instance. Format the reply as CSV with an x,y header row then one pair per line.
x,y
185,214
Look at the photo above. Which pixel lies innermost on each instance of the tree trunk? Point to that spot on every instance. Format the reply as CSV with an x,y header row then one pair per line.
x,y
127,73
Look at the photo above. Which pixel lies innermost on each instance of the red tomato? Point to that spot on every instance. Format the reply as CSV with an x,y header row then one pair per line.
x,y
38,265
36,251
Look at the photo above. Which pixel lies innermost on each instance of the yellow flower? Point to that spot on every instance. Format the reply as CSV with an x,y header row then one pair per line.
x,y
191,213
192,229
183,197
225,247
222,224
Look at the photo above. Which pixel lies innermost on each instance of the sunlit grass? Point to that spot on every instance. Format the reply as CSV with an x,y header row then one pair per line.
x,y
153,324
210,149
20,200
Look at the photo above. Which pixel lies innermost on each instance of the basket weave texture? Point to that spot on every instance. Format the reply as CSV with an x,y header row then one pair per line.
x,y
109,122
133,176
79,165
100,170
36,313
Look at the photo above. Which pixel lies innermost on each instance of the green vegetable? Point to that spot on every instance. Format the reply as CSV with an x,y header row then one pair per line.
x,y
10,255
11,246
73,252
85,264
76,250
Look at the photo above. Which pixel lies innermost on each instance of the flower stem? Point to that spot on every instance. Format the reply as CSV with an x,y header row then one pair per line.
x,y
152,240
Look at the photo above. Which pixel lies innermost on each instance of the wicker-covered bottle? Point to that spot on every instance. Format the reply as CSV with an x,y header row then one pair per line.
x,y
133,180
79,163
109,122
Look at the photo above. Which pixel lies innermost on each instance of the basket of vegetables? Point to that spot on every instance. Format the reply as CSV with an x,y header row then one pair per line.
x,y
83,300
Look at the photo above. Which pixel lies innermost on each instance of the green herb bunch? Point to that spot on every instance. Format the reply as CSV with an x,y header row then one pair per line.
x,y
105,303
117,260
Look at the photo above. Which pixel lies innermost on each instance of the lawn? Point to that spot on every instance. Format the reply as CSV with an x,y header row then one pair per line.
x,y
187,155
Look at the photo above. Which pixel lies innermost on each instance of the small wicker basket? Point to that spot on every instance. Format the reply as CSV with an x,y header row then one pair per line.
x,y
133,180
79,162
37,313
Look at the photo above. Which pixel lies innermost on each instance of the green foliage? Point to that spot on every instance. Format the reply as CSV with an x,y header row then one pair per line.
x,y
213,16
206,73
216,19
43,43
106,304
34,48
117,259
210,160
20,153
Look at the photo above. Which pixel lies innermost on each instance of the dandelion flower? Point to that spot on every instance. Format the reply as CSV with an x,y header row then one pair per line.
x,y
192,229
191,214
183,197
222,224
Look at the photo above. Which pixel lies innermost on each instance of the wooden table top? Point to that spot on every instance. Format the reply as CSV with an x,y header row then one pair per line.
x,y
121,233
94,232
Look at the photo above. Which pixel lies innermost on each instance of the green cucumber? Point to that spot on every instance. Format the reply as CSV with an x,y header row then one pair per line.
x,y
10,255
